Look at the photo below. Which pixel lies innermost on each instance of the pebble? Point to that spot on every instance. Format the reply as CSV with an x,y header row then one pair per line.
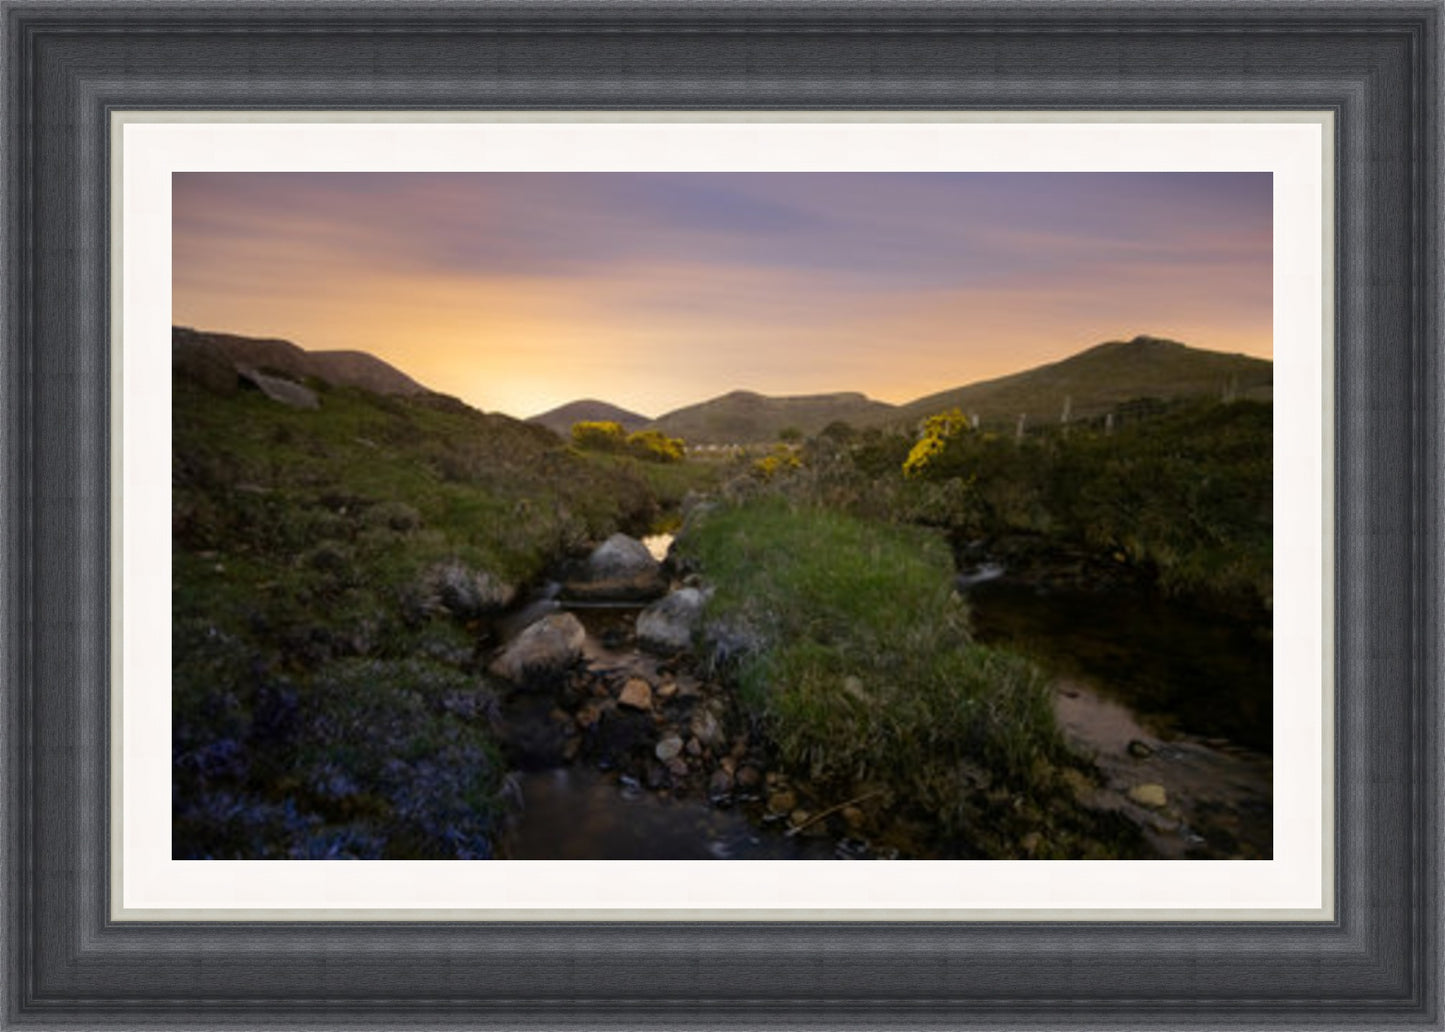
x,y
782,801
853,815
749,777
637,694
694,747
667,689
668,748
1140,750
588,715
707,728
678,767
720,784
1151,794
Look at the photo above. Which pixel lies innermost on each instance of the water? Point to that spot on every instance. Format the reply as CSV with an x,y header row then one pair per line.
x,y
574,813
1180,668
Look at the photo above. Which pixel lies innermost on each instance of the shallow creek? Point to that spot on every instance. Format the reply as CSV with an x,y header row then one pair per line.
x,y
1154,695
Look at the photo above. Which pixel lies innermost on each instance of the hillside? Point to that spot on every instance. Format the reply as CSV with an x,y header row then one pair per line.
x,y
560,419
196,349
743,417
1102,377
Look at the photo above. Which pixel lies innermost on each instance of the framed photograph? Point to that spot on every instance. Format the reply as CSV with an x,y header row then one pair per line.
x,y
993,444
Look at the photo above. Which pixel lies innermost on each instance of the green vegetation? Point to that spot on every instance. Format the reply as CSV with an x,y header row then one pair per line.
x,y
1179,493
334,572
857,662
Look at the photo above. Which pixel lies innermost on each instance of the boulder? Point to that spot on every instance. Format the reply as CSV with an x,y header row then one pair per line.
x,y
543,651
282,390
619,569
668,625
464,592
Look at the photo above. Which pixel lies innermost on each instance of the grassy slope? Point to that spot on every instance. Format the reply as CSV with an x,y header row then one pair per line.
x,y
323,704
1099,379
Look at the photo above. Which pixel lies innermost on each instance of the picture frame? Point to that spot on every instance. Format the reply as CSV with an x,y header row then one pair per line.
x,y
1375,66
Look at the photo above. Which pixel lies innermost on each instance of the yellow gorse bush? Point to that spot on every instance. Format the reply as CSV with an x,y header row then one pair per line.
x,y
936,430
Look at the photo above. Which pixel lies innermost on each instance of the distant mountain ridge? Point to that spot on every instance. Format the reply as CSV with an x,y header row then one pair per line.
x,y
1100,378
589,410
1090,383
197,348
748,417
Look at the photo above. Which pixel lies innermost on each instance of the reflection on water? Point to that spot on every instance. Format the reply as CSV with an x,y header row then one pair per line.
x,y
1191,671
573,813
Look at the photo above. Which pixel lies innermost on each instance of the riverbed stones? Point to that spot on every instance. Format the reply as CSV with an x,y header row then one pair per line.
x,y
1151,795
668,748
620,569
1140,749
543,651
636,694
669,624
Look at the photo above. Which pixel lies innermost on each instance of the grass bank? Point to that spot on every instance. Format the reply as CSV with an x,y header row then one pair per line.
x,y
853,657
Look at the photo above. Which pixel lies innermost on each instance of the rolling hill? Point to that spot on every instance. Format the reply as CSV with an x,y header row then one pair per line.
x,y
198,350
560,419
1101,378
743,417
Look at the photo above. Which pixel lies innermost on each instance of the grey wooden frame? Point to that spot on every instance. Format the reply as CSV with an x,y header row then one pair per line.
x,y
1376,65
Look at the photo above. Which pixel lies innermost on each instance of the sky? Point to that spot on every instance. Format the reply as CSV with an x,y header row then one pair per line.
x,y
518,292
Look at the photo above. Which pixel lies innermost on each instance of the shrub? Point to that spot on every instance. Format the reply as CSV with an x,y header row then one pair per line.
x,y
600,435
655,446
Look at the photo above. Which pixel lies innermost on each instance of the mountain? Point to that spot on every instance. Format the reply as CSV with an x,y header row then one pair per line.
x,y
588,410
212,354
1102,377
744,417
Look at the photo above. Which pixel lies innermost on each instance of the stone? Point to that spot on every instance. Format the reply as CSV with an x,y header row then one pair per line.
x,y
543,651
694,747
749,778
1140,750
677,767
1151,795
284,391
465,592
799,817
667,689
782,801
720,784
621,568
706,727
669,624
588,715
668,748
853,816
636,694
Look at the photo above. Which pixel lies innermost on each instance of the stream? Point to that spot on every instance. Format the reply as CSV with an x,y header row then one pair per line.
x,y
1171,706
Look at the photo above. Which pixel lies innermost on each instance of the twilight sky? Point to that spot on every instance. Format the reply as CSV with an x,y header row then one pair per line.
x,y
518,292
